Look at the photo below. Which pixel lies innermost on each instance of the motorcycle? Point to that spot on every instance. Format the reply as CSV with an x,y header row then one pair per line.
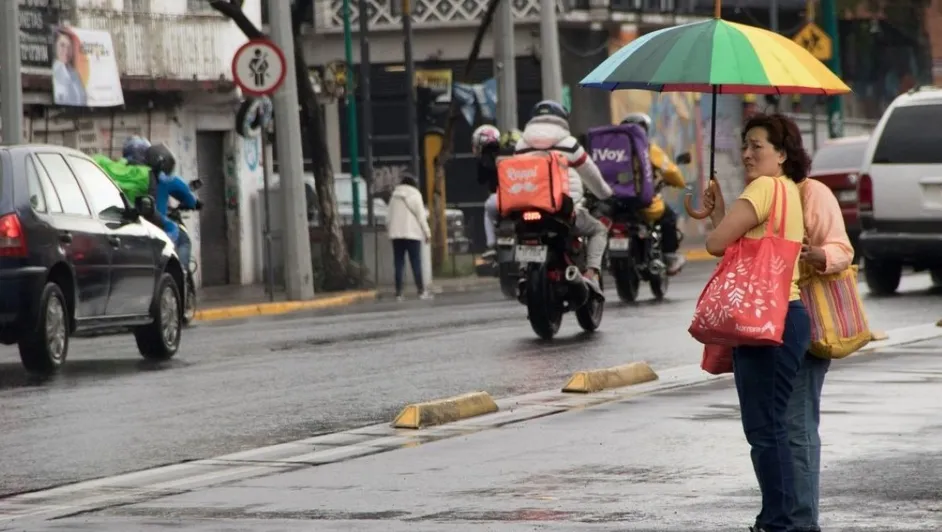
x,y
176,214
508,270
501,264
634,246
552,263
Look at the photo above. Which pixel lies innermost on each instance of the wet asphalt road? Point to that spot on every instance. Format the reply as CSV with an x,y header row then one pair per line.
x,y
245,384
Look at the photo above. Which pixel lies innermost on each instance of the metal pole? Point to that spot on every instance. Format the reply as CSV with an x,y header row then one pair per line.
x,y
773,15
814,124
773,25
505,67
366,111
353,136
267,163
549,46
299,277
11,87
835,104
410,87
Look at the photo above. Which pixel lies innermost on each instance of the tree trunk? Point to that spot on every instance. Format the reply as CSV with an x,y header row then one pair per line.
x,y
439,224
339,272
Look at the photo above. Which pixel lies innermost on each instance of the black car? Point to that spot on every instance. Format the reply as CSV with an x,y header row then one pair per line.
x,y
75,256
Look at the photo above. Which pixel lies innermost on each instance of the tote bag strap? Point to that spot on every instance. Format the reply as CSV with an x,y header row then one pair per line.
x,y
782,211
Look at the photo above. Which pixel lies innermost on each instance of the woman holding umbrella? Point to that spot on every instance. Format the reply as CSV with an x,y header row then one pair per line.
x,y
720,57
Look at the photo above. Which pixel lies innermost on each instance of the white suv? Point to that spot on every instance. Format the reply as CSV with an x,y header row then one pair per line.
x,y
900,191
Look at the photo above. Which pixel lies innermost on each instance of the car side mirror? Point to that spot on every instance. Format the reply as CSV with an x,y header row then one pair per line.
x,y
684,158
196,184
144,205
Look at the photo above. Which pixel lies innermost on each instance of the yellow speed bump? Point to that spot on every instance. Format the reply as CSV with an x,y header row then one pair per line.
x,y
441,411
597,380
877,336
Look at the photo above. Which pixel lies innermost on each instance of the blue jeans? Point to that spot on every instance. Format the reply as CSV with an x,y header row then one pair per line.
x,y
413,248
184,248
765,378
803,418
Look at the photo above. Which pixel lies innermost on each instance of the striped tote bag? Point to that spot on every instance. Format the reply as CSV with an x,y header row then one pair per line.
x,y
838,323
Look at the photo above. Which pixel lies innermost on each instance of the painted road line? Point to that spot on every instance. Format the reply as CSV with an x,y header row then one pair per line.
x,y
364,441
284,307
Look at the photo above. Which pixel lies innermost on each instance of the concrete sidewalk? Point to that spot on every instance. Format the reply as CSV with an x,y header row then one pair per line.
x,y
670,460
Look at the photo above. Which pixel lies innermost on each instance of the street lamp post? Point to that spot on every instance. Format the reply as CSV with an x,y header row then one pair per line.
x,y
353,137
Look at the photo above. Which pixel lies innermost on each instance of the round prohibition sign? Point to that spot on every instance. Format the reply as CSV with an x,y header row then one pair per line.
x,y
259,67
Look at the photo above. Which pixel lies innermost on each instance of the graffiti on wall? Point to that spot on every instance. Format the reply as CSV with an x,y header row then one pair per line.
x,y
251,151
386,177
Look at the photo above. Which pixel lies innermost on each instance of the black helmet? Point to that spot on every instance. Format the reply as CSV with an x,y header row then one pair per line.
x,y
550,108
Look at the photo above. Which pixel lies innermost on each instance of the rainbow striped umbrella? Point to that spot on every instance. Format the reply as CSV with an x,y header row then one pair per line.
x,y
715,55
718,57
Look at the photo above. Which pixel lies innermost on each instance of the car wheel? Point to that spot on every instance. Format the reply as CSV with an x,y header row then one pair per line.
x,y
883,277
44,349
160,339
936,275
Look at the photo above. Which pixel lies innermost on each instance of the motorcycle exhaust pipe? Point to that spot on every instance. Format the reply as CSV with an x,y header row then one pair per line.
x,y
579,291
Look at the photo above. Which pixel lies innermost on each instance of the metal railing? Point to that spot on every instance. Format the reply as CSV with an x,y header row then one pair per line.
x,y
162,46
385,15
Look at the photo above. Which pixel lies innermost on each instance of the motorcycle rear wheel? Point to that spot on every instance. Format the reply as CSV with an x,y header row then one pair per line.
x,y
589,315
543,312
659,286
627,282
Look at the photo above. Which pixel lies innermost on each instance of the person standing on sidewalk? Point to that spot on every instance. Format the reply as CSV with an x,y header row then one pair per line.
x,y
407,224
765,376
826,250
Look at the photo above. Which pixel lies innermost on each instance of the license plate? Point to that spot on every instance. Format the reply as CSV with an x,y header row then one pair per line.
x,y
530,254
847,196
506,241
618,244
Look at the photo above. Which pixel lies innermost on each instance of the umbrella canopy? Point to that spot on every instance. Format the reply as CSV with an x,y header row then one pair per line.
x,y
715,54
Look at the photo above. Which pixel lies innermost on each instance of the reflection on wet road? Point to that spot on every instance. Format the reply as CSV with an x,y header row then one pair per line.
x,y
245,384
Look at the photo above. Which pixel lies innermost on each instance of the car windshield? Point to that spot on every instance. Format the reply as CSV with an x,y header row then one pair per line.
x,y
839,156
907,140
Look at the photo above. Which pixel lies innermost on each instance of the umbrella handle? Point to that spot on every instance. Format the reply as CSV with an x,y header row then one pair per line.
x,y
702,213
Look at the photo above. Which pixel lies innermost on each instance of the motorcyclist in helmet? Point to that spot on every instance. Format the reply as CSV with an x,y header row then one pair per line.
x,y
488,145
664,168
548,130
137,150
485,145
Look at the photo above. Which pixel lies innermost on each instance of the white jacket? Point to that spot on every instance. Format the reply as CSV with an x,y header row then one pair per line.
x,y
407,217
544,133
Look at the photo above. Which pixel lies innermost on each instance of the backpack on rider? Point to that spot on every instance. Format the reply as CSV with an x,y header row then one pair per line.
x,y
622,153
533,181
133,179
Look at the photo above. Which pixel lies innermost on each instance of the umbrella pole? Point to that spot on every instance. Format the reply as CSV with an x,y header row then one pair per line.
x,y
713,133
688,201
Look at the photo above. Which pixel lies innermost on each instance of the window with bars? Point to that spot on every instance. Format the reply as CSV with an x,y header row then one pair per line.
x,y
137,6
198,6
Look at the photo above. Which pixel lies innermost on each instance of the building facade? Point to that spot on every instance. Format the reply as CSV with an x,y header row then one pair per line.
x,y
174,60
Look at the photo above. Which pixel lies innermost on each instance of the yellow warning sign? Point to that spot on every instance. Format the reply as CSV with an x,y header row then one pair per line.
x,y
813,39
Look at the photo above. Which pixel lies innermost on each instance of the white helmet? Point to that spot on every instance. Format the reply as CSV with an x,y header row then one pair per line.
x,y
642,119
483,135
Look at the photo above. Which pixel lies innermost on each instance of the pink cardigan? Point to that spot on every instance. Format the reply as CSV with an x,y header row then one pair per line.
x,y
824,225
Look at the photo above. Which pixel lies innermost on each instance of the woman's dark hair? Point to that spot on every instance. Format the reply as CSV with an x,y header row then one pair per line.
x,y
409,179
785,136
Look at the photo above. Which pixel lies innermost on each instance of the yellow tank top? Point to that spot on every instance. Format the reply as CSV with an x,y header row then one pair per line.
x,y
759,193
